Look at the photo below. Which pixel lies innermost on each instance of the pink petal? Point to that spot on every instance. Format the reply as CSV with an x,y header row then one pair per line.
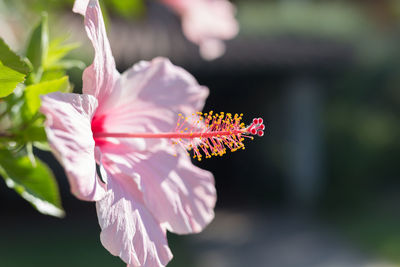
x,y
98,78
212,49
180,195
184,198
207,23
213,19
69,133
80,6
128,229
149,96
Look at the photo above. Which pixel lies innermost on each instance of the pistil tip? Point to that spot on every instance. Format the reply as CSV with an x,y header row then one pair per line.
x,y
257,127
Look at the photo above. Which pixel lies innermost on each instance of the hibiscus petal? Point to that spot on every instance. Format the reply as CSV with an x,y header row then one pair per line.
x,y
159,91
180,195
69,133
209,19
98,78
207,23
184,199
80,6
211,49
129,230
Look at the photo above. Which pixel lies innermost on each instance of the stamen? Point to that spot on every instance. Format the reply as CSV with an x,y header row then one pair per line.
x,y
206,134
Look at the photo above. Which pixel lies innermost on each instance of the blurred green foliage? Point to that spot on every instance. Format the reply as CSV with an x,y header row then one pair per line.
x,y
21,123
128,9
37,48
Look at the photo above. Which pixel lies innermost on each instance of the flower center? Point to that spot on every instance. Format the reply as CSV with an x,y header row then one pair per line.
x,y
97,127
209,134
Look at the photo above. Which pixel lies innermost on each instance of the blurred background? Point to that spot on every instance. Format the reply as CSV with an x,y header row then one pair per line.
x,y
321,187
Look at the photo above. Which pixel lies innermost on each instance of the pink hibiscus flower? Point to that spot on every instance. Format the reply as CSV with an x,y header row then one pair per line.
x,y
125,123
206,23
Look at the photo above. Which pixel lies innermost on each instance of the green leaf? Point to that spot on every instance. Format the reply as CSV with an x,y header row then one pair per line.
x,y
12,60
32,92
68,64
54,74
35,133
57,51
9,79
39,44
13,105
36,184
12,70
